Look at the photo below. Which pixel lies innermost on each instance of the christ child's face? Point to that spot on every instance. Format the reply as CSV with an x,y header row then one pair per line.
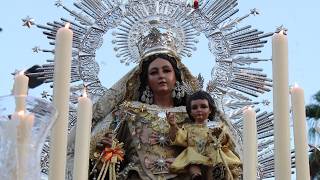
x,y
200,110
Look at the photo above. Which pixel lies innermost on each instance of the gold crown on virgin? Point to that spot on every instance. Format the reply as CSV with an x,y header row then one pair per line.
x,y
155,42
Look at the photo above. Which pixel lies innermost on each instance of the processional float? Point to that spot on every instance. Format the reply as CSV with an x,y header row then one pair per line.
x,y
234,82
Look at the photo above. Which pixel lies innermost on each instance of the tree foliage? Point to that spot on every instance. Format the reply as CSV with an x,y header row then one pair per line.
x,y
314,162
313,115
313,110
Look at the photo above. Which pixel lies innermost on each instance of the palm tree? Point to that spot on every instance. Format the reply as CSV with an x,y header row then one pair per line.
x,y
313,116
314,163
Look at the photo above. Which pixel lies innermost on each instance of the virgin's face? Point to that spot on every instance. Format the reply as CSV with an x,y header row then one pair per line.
x,y
161,76
200,110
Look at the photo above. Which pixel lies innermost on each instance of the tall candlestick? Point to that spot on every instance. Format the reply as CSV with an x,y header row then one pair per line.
x,y
20,90
300,133
281,106
249,144
82,145
24,129
61,94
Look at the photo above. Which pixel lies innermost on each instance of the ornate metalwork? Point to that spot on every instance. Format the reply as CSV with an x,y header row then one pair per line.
x,y
233,82
141,16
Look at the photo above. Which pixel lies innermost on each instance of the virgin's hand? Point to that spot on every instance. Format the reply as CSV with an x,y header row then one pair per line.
x,y
106,141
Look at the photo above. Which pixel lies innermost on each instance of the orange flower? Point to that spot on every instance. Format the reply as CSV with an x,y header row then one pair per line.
x,y
113,152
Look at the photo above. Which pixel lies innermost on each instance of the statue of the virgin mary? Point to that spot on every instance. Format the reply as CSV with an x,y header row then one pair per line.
x,y
159,84
157,35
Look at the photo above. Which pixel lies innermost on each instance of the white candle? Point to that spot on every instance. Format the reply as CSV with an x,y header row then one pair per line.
x,y
300,133
281,106
24,130
82,145
61,94
20,90
10,129
249,144
9,134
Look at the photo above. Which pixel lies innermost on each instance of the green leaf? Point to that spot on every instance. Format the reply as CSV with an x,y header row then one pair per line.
x,y
313,111
317,97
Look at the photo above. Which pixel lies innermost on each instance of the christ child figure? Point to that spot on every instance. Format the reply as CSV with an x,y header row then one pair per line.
x,y
208,152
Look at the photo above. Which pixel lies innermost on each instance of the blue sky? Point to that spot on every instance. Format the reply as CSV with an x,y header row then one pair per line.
x,y
299,17
17,41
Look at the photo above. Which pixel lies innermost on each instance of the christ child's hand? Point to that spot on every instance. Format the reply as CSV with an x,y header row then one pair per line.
x,y
171,119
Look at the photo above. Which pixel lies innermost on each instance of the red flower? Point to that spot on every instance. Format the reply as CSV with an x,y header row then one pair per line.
x,y
195,4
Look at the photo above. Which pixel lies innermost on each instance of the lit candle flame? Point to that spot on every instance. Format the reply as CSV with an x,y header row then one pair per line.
x,y
67,25
281,32
21,72
295,86
247,108
21,113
